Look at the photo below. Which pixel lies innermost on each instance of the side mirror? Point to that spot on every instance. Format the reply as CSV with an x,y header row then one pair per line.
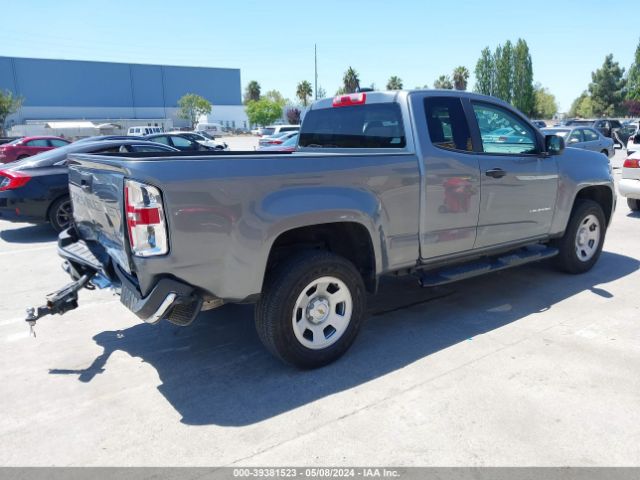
x,y
554,144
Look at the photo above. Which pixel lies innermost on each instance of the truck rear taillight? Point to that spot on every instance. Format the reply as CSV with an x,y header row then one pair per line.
x,y
631,163
146,223
350,99
12,180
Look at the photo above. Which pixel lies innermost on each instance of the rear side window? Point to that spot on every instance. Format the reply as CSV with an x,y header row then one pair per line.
x,y
58,143
447,124
502,132
377,125
42,142
590,135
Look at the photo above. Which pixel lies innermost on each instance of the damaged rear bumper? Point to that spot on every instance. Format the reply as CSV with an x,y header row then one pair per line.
x,y
169,299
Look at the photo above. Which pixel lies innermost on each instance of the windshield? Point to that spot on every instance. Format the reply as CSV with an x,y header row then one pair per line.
x,y
291,142
377,125
12,142
206,135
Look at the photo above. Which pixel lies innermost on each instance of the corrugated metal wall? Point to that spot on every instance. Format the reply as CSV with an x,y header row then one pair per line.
x,y
101,87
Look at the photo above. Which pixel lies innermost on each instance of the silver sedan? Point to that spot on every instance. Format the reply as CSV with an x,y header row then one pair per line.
x,y
587,138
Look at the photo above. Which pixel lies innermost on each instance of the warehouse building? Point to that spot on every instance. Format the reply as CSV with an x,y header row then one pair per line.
x,y
120,94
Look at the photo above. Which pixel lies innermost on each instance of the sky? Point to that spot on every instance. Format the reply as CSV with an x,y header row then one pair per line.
x,y
273,41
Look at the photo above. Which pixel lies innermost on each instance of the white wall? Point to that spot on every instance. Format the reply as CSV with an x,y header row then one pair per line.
x,y
226,115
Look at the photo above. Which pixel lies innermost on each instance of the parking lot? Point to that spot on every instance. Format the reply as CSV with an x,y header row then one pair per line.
x,y
524,367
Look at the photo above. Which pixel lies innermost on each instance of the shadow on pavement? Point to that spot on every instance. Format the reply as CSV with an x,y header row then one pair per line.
x,y
217,372
31,234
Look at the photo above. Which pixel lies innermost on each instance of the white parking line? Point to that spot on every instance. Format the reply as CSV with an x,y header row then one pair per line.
x,y
26,250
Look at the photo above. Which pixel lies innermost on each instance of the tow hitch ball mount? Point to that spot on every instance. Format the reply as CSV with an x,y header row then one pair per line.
x,y
59,302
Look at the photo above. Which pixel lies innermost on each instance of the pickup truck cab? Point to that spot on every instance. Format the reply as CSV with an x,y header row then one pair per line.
x,y
442,185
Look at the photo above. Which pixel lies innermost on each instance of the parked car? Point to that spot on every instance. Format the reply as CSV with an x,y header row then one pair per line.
x,y
212,129
36,189
204,139
606,126
587,138
275,129
308,238
629,185
183,141
539,123
276,139
143,130
27,146
287,145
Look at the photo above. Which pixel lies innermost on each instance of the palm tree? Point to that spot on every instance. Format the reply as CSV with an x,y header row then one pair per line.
x,y
304,91
443,82
394,83
460,77
252,92
351,81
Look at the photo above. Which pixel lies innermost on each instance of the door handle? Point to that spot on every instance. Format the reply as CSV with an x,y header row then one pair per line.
x,y
495,173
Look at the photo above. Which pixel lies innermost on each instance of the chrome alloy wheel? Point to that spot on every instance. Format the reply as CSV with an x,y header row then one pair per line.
x,y
322,313
588,238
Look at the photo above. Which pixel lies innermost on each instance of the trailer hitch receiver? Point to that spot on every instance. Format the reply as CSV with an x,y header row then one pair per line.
x,y
59,302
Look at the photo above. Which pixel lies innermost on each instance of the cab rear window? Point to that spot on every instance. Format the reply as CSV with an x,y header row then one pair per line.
x,y
377,125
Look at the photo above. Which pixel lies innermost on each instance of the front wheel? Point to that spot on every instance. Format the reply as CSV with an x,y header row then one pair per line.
x,y
581,245
311,309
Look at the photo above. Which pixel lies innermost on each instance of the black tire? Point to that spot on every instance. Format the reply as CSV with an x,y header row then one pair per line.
x,y
60,214
22,157
605,153
274,314
568,260
634,204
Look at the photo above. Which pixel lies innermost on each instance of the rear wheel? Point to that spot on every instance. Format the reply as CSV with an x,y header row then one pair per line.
x,y
634,204
582,242
60,214
605,153
311,309
22,157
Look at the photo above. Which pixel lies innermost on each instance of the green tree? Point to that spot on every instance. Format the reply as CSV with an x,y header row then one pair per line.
x,y
577,104
503,58
252,92
394,83
423,87
263,112
304,91
322,93
485,72
633,78
350,81
443,82
9,104
607,88
545,105
523,96
276,96
192,106
460,78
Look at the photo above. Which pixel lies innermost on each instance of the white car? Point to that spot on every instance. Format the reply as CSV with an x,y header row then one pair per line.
x,y
633,144
275,129
204,139
629,185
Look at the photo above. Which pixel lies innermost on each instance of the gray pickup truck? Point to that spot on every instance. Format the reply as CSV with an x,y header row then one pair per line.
x,y
442,185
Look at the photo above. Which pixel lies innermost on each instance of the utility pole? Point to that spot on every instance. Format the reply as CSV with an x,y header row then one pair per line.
x,y
315,58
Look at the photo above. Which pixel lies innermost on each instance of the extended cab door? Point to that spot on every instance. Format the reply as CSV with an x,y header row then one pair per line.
x,y
450,197
518,182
